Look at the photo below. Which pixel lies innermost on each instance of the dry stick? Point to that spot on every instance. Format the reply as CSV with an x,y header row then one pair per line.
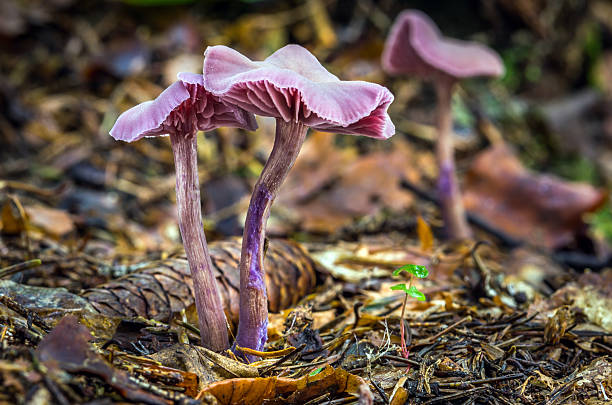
x,y
319,399
31,316
461,384
456,395
357,313
283,359
17,185
380,391
505,238
266,355
445,331
603,347
19,267
401,360
189,327
328,360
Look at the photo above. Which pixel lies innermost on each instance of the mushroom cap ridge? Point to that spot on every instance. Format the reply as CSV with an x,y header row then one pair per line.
x,y
181,107
291,84
416,46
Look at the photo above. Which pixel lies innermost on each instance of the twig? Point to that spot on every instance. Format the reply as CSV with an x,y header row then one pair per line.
x,y
380,391
445,331
356,307
506,239
19,267
283,359
31,316
461,384
400,359
189,327
456,395
266,355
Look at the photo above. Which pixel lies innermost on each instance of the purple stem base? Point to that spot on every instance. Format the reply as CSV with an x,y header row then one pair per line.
x,y
253,324
449,194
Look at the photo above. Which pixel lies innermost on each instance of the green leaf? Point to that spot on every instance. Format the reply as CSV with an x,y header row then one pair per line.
x,y
315,372
400,287
412,291
414,269
415,293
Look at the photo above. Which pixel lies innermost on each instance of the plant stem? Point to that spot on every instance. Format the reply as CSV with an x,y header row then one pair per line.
x,y
253,325
213,325
449,194
405,351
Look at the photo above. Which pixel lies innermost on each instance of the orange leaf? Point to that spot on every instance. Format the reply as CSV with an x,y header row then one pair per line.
x,y
425,235
258,390
13,219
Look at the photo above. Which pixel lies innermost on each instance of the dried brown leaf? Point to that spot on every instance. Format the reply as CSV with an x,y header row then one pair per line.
x,y
541,209
67,347
258,390
425,235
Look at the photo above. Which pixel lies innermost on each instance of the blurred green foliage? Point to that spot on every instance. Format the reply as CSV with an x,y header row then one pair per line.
x,y
601,222
576,168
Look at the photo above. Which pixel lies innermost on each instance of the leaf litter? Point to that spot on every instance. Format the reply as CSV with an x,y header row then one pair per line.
x,y
95,291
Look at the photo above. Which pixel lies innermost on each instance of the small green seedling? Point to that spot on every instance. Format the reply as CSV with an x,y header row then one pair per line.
x,y
411,291
415,271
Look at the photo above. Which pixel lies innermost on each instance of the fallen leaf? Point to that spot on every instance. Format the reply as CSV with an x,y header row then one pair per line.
x,y
330,187
356,262
67,347
53,222
13,218
206,364
425,235
258,390
591,294
541,209
598,372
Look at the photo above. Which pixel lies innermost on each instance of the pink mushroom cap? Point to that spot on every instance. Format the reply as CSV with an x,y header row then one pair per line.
x,y
291,84
183,107
415,46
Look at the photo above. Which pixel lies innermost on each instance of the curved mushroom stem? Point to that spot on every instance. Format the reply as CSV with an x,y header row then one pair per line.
x,y
253,324
213,325
449,194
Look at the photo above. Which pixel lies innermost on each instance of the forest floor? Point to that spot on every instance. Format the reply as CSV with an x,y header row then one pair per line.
x,y
95,293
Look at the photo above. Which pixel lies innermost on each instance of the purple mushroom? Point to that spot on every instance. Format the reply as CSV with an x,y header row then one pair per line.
x,y
293,87
416,47
182,110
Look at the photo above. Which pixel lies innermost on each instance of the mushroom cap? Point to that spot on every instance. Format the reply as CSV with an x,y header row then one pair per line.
x,y
415,46
291,84
184,107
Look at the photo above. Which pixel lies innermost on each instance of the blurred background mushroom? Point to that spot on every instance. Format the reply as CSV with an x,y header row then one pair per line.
x,y
416,48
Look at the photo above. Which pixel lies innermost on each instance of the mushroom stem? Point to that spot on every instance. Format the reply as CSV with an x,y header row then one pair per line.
x,y
213,325
253,325
449,194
